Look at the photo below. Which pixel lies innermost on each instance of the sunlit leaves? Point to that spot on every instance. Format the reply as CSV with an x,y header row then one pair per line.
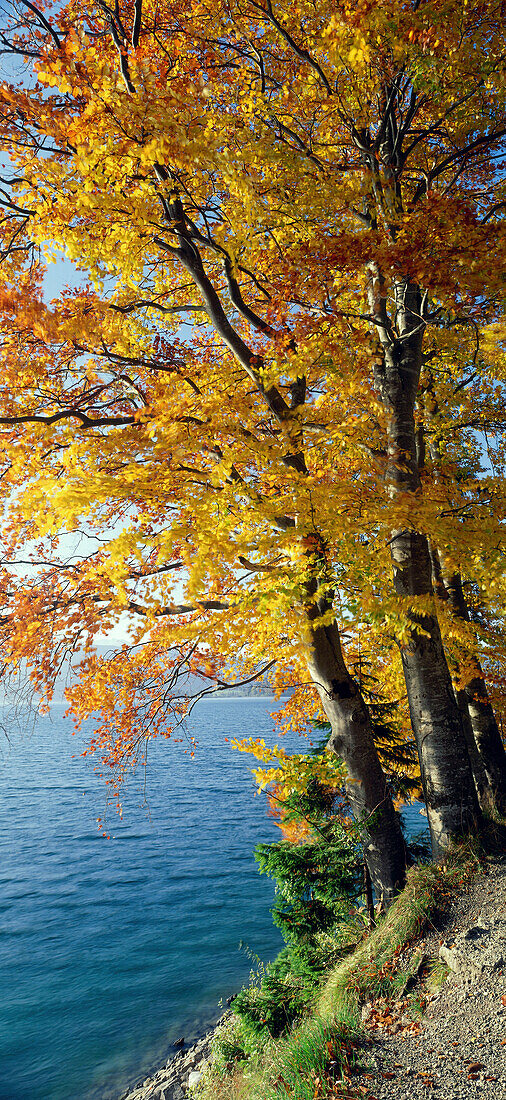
x,y
182,436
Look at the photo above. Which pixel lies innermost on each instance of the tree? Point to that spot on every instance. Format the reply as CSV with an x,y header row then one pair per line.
x,y
316,879
311,190
486,749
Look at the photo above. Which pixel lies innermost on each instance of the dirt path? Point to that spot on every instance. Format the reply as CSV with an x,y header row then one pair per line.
x,y
459,1050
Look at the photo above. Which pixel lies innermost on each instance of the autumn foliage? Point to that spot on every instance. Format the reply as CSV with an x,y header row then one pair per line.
x,y
265,434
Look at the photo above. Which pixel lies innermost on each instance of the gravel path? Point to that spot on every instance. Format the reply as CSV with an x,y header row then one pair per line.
x,y
460,1049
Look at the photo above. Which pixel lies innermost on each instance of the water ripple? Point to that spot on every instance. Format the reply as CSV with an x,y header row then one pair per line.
x,y
109,949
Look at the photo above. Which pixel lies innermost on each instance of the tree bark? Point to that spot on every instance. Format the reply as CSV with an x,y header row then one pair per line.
x,y
486,749
489,766
477,765
353,741
448,786
447,780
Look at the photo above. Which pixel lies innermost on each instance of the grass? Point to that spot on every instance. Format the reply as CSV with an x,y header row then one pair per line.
x,y
308,1060
318,1051
437,974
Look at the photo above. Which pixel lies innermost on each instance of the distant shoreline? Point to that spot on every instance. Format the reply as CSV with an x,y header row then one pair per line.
x,y
218,697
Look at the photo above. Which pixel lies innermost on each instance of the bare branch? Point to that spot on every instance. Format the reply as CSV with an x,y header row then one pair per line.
x,y
221,685
68,414
180,609
137,23
42,19
299,52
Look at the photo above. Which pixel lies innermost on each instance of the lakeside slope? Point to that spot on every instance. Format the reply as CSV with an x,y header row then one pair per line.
x,y
442,1036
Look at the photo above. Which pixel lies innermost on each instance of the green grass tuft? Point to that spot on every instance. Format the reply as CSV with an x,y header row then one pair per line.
x,y
299,1066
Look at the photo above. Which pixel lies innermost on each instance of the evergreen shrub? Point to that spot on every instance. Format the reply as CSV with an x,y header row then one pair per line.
x,y
317,883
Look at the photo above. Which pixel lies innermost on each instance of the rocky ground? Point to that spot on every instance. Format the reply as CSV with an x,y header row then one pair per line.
x,y
457,1048
171,1081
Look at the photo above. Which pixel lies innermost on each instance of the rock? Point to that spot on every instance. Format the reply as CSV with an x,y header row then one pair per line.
x,y
194,1078
480,948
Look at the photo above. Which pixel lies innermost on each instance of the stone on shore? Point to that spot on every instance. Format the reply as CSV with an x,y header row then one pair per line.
x,y
174,1080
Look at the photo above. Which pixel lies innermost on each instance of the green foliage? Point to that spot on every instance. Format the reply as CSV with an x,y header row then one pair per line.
x,y
229,1044
316,882
269,1008
318,876
312,878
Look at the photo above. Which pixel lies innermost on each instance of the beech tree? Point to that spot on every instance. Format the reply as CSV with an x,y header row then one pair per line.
x,y
274,206
485,745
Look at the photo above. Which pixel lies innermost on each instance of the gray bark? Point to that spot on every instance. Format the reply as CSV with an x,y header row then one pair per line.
x,y
477,765
352,740
484,741
447,780
489,763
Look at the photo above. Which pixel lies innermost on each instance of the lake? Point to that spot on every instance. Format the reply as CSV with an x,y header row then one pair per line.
x,y
111,949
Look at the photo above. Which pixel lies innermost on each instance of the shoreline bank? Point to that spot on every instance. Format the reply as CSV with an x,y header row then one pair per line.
x,y
171,1080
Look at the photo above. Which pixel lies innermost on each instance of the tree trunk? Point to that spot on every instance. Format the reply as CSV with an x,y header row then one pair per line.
x,y
490,768
352,740
484,741
447,780
478,768
448,786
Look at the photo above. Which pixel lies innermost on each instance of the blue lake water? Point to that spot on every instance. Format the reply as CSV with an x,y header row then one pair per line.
x,y
111,949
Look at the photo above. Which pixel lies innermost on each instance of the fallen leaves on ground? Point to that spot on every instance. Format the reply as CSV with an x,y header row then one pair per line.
x,y
391,1017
